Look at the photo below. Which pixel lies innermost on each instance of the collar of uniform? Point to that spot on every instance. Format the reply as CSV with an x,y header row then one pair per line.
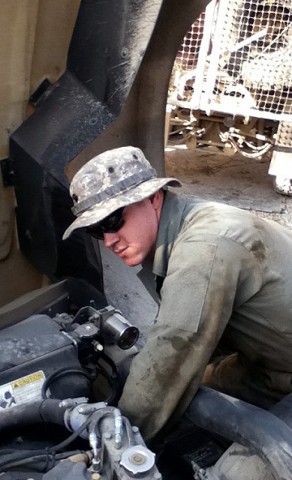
x,y
170,224
147,277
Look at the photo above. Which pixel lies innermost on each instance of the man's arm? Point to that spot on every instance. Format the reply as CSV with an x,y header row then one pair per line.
x,y
198,294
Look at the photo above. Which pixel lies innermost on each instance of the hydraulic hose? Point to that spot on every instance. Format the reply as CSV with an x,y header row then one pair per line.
x,y
42,411
259,430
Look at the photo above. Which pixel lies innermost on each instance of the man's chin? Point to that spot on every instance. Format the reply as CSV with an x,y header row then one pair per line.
x,y
131,262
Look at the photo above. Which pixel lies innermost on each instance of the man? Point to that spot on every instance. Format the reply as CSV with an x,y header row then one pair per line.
x,y
224,277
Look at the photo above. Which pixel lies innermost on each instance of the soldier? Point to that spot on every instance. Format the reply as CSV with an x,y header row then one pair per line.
x,y
224,278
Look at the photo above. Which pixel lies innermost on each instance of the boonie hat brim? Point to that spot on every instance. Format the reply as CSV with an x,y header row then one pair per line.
x,y
103,209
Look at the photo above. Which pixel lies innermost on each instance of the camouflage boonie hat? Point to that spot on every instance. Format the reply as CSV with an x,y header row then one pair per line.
x,y
111,180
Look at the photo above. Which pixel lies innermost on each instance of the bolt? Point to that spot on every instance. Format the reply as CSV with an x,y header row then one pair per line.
x,y
95,465
117,457
124,52
107,435
97,346
135,429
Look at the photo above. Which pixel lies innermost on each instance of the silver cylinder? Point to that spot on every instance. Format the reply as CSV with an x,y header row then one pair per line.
x,y
122,332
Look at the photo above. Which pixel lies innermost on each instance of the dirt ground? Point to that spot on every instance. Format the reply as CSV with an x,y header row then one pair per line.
x,y
211,175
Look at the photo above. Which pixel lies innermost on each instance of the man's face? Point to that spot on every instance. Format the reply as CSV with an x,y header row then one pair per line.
x,y
136,239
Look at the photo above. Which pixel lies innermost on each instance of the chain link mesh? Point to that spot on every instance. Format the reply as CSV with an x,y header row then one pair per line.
x,y
250,51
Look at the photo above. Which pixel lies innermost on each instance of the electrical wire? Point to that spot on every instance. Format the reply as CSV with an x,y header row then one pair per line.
x,y
27,455
65,443
113,380
59,374
47,457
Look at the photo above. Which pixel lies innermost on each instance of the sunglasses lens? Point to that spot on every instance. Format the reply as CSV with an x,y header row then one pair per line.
x,y
110,224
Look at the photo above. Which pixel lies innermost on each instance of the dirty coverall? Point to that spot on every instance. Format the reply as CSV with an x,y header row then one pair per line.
x,y
226,276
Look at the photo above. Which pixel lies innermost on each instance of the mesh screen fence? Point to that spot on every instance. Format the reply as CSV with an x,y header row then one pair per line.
x,y
248,62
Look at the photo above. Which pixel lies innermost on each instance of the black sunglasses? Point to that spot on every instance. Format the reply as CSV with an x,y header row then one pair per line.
x,y
110,224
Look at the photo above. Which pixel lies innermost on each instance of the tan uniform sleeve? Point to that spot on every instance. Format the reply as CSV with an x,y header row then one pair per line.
x,y
202,283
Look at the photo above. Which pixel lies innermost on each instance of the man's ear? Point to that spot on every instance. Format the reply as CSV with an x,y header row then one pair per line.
x,y
157,199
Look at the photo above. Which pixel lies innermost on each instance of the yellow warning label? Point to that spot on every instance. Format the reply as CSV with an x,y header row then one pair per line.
x,y
22,390
33,377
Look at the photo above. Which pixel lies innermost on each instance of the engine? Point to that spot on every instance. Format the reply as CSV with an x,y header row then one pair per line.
x,y
41,356
52,372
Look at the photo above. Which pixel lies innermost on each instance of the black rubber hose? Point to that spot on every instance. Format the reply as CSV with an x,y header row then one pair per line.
x,y
51,412
259,430
42,411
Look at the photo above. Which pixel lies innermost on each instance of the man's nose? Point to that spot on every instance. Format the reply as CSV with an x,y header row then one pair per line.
x,y
110,239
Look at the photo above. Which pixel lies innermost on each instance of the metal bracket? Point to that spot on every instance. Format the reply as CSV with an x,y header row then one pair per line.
x,y
7,170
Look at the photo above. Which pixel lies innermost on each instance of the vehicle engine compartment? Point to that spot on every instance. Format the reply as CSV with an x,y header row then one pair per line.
x,y
62,371
49,365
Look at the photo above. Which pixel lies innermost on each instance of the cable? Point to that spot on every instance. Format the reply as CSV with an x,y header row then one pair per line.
x,y
19,456
15,456
113,380
72,437
59,374
40,458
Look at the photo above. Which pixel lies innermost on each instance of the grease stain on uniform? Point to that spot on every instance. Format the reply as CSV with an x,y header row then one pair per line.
x,y
259,250
178,343
163,378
